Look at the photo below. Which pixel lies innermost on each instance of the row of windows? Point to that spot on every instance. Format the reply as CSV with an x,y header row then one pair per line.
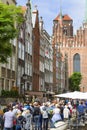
x,y
11,63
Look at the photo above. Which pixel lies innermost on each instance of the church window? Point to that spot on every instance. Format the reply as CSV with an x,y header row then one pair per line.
x,y
76,63
65,30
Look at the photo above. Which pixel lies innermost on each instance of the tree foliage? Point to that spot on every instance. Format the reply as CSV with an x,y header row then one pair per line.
x,y
75,81
10,16
11,93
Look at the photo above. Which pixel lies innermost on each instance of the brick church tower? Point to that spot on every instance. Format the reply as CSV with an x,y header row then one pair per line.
x,y
75,46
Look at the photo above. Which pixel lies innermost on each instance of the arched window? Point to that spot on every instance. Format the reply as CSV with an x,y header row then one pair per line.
x,y
76,63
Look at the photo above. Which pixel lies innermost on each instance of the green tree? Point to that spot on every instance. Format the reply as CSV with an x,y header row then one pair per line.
x,y
75,81
10,17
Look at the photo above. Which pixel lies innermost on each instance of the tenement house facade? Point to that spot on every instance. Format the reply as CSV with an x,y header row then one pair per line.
x,y
20,63
24,57
7,71
46,60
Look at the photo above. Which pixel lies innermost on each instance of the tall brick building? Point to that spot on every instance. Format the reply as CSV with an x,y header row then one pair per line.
x,y
75,46
36,48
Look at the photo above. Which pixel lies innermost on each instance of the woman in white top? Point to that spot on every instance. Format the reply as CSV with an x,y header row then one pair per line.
x,y
66,112
56,114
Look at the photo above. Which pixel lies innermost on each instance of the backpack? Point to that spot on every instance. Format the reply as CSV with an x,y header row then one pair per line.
x,y
20,121
36,111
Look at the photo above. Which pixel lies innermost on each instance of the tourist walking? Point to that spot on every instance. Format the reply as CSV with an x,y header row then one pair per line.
x,y
8,117
1,119
81,111
28,118
45,119
56,116
66,112
36,115
20,121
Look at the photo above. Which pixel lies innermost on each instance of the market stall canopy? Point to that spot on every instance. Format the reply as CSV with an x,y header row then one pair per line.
x,y
84,96
73,95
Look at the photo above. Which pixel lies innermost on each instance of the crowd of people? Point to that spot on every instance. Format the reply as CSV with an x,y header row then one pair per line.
x,y
40,116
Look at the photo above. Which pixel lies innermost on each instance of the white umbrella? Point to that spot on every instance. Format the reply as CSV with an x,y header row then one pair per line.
x,y
76,95
72,95
84,96
64,95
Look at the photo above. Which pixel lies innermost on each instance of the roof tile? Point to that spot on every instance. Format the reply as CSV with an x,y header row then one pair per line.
x,y
64,17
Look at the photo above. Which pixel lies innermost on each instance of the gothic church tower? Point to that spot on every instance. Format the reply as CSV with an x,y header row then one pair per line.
x,y
74,46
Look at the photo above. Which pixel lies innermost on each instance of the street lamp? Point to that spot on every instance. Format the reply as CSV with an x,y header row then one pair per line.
x,y
24,76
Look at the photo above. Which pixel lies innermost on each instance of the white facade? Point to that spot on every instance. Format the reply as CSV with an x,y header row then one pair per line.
x,y
25,51
46,60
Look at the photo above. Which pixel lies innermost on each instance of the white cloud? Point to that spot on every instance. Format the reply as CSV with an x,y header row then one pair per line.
x,y
49,9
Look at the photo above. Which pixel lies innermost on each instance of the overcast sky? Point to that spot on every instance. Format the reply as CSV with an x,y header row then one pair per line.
x,y
49,9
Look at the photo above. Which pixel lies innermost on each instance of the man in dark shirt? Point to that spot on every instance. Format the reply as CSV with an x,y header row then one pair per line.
x,y
36,115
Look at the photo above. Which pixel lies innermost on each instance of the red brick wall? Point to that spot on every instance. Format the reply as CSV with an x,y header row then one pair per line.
x,y
71,46
36,49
